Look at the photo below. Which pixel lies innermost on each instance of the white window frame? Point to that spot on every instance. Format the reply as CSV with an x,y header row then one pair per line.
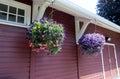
x,y
23,6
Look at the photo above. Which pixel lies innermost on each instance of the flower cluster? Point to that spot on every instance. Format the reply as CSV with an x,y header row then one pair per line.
x,y
46,35
92,43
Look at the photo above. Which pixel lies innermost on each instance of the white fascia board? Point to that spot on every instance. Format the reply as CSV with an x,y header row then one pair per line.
x,y
75,10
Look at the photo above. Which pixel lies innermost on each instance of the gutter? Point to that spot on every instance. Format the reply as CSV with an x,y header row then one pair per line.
x,y
75,10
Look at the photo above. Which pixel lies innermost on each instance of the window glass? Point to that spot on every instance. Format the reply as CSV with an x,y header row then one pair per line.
x,y
3,7
12,18
12,10
20,19
3,16
21,12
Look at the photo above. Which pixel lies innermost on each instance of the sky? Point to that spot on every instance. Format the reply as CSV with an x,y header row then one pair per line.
x,y
87,4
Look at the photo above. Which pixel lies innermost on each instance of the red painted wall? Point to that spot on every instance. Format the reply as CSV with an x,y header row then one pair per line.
x,y
14,53
90,67
16,61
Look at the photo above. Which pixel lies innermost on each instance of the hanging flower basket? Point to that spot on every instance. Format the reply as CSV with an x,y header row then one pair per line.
x,y
46,35
92,43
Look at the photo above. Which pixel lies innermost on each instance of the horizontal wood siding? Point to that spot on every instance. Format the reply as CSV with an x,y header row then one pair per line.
x,y
90,67
14,53
64,64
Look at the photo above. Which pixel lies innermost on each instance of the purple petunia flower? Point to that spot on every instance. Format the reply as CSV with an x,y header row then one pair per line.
x,y
92,43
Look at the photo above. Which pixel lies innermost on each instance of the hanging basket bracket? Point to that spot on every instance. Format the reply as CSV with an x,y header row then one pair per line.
x,y
39,7
80,31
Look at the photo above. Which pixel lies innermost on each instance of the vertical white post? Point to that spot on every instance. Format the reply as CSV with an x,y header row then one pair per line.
x,y
116,61
35,10
77,28
103,65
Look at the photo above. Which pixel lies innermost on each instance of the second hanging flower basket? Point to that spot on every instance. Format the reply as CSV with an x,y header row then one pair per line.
x,y
46,35
92,43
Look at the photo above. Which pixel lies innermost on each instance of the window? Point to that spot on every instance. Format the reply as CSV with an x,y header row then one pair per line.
x,y
14,12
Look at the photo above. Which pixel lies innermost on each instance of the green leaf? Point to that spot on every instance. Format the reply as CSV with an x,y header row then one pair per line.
x,y
55,50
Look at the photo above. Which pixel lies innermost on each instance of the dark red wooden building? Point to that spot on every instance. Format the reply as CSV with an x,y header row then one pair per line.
x,y
18,62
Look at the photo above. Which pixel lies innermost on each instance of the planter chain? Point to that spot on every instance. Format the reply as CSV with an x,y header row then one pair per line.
x,y
52,11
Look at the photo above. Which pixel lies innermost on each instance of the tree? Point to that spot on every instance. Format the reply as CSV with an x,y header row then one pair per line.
x,y
109,9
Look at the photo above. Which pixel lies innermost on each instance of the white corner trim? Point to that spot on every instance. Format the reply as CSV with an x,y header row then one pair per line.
x,y
28,15
103,67
80,32
118,73
34,11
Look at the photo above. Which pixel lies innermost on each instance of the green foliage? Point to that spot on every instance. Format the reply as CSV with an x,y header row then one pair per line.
x,y
47,35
